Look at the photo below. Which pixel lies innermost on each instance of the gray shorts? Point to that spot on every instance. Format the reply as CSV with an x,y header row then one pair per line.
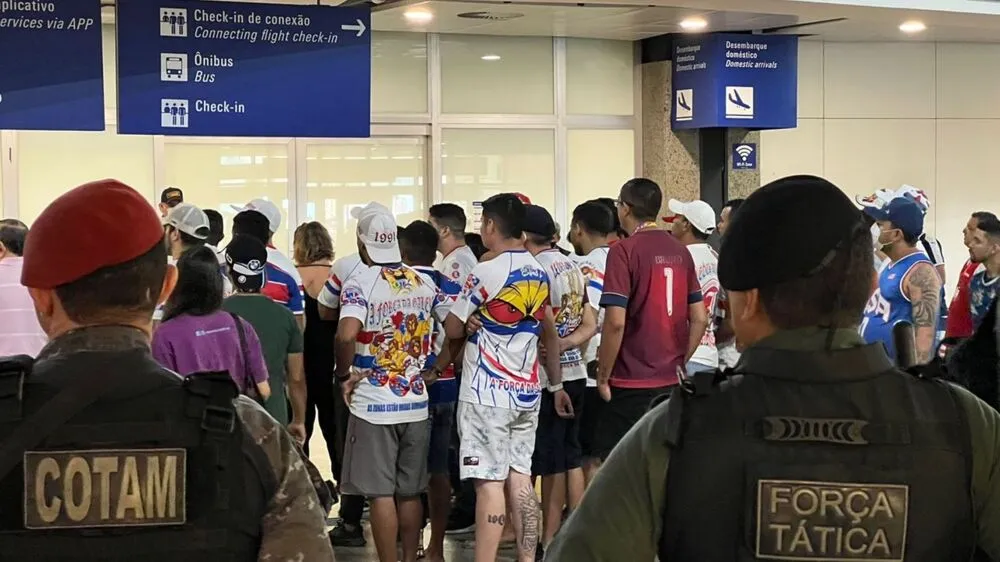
x,y
385,460
493,441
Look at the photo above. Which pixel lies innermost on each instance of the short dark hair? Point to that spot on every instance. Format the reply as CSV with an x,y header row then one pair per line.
x,y
991,226
199,285
908,238
13,233
699,235
643,196
119,292
216,229
475,243
983,216
506,211
252,223
835,296
449,215
613,207
187,240
734,204
594,217
418,243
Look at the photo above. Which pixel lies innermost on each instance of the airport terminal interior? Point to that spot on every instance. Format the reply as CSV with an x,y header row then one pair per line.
x,y
563,102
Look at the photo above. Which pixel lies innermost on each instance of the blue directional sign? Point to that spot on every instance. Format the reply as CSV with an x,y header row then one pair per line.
x,y
51,69
242,69
745,156
735,80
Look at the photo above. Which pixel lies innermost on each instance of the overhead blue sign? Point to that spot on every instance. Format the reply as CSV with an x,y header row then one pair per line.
x,y
240,69
51,69
735,80
745,156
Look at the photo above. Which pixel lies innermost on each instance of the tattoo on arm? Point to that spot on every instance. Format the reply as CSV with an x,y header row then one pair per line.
x,y
527,506
925,294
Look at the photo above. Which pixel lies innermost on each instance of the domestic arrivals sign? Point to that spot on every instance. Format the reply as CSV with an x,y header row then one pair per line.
x,y
243,69
735,80
51,70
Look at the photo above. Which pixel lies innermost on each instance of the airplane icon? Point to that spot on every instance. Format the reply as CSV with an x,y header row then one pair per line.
x,y
739,102
684,105
734,98
682,102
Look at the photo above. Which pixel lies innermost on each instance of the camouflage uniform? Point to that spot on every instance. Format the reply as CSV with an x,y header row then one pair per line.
x,y
294,527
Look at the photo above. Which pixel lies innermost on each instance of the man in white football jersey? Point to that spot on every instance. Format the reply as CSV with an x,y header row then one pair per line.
x,y
384,344
558,457
500,389
592,225
691,224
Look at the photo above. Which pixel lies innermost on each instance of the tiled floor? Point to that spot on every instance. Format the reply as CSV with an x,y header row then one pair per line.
x,y
458,549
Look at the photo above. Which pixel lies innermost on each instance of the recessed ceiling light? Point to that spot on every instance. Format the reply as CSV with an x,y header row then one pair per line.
x,y
693,24
490,57
418,16
912,26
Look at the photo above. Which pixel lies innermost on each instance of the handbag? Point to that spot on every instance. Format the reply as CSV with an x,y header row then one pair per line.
x,y
250,387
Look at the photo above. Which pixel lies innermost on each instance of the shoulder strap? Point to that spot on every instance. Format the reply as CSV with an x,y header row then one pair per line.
x,y
79,393
247,380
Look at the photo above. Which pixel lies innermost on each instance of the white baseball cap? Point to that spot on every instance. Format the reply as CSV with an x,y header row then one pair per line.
x,y
877,200
917,195
377,231
266,208
190,220
699,213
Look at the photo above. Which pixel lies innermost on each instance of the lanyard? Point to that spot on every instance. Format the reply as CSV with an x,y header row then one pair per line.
x,y
643,226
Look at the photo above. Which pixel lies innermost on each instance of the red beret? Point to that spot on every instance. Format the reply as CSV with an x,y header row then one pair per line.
x,y
96,225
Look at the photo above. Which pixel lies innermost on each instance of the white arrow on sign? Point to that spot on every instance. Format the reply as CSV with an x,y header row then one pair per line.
x,y
360,27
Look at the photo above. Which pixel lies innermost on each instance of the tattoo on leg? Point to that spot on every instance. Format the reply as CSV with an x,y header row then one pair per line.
x,y
496,519
527,506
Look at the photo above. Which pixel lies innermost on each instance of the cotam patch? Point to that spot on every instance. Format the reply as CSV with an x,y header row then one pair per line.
x,y
105,488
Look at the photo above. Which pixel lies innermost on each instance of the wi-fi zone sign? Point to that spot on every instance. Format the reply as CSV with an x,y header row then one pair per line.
x,y
745,156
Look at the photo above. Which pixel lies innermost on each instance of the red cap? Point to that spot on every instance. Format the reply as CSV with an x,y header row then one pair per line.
x,y
524,198
96,225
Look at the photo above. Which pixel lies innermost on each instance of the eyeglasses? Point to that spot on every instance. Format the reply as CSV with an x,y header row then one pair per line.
x,y
621,202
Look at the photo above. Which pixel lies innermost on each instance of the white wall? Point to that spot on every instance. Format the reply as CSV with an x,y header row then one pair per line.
x,y
877,115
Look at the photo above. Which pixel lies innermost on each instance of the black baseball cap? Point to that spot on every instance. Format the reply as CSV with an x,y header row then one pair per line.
x,y
538,221
246,257
172,196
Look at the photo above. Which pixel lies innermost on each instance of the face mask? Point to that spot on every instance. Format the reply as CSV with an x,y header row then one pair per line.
x,y
876,234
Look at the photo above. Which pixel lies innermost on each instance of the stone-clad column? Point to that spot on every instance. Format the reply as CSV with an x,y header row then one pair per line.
x,y
669,158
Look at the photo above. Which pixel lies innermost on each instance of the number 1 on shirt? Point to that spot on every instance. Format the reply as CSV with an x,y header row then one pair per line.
x,y
668,272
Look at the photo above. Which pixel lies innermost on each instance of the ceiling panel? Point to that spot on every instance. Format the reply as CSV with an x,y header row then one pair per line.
x,y
626,23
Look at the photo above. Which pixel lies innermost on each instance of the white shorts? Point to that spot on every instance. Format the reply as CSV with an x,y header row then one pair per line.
x,y
494,440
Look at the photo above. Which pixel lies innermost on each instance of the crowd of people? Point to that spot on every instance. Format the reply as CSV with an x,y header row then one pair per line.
x,y
450,372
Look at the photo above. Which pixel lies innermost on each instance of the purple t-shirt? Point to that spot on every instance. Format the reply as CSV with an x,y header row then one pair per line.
x,y
191,344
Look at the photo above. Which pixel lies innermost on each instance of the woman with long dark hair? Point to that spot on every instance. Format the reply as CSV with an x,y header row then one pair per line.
x,y
196,335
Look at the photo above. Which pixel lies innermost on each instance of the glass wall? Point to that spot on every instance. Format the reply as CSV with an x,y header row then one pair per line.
x,y
454,118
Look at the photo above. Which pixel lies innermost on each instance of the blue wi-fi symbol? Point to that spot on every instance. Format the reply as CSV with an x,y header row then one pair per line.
x,y
744,151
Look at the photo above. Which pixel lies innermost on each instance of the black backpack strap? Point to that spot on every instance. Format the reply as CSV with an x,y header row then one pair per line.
x,y
210,400
13,371
241,332
78,394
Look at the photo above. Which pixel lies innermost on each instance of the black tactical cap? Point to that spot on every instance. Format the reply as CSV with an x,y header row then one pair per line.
x,y
789,229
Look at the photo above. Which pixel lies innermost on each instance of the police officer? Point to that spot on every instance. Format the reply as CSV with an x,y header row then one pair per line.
x,y
107,456
816,447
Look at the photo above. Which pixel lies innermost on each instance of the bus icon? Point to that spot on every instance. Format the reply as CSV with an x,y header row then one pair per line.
x,y
173,67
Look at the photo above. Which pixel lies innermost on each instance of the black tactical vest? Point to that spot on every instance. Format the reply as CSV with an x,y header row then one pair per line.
x,y
157,469
814,466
